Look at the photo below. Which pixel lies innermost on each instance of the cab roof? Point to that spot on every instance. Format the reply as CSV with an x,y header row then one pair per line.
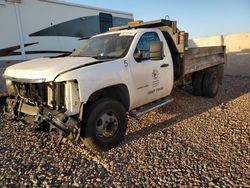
x,y
149,24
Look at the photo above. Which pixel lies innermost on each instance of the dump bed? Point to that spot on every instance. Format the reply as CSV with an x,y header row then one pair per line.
x,y
196,59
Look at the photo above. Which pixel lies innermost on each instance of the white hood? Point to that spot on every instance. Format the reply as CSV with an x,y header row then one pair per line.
x,y
45,68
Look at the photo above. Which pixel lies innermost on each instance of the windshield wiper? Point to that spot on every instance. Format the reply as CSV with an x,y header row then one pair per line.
x,y
104,57
97,57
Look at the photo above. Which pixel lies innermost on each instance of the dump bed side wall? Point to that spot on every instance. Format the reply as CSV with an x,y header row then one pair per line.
x,y
196,59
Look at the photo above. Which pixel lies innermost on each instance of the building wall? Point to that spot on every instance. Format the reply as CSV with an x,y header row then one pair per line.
x,y
238,51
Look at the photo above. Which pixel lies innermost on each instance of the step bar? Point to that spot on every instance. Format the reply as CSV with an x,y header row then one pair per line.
x,y
149,107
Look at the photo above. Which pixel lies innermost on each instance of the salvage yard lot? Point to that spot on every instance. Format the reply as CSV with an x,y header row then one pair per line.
x,y
193,141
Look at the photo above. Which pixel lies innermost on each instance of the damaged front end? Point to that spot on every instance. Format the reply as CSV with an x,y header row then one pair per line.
x,y
46,104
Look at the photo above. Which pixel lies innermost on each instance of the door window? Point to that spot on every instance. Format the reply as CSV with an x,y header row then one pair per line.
x,y
143,45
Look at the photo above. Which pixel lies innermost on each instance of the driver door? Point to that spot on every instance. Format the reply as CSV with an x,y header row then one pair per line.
x,y
149,76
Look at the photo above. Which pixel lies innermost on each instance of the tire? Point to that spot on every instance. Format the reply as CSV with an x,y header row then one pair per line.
x,y
210,84
104,125
197,84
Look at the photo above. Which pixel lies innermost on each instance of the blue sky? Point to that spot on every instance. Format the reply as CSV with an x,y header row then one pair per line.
x,y
198,17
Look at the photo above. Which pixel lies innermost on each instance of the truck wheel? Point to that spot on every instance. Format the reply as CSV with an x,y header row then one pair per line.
x,y
104,124
197,83
210,84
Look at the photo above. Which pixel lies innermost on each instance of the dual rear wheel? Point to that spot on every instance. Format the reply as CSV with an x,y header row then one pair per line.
x,y
206,83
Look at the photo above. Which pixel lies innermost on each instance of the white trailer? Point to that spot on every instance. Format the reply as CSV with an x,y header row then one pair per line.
x,y
46,28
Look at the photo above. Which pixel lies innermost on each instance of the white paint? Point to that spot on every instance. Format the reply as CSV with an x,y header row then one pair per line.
x,y
45,68
2,2
87,7
72,99
128,33
20,30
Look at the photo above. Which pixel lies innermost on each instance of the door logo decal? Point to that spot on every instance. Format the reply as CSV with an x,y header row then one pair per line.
x,y
155,74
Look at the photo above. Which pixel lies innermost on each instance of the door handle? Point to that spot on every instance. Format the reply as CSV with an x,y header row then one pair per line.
x,y
164,65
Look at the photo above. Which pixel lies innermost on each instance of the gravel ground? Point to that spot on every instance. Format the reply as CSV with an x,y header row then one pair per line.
x,y
192,142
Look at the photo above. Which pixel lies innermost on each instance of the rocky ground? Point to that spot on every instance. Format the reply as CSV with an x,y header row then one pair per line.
x,y
192,142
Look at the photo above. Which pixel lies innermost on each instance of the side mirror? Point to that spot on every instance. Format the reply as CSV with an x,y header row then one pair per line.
x,y
156,50
138,55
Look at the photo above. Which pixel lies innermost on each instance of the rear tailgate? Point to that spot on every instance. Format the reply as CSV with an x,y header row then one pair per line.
x,y
196,59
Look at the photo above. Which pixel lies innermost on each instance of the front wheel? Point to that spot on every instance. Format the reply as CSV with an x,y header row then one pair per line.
x,y
104,125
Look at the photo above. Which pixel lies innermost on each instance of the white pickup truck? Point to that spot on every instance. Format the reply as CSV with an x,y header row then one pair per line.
x,y
131,69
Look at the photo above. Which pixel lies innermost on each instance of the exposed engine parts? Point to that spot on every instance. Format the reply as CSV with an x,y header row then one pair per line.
x,y
34,100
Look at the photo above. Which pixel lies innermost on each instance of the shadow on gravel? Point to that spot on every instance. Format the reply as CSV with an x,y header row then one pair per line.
x,y
186,105
2,103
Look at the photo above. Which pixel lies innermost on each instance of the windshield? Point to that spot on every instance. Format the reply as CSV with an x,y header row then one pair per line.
x,y
105,46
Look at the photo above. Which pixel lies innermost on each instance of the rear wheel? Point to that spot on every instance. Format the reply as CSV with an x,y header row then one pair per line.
x,y
197,83
104,124
210,84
